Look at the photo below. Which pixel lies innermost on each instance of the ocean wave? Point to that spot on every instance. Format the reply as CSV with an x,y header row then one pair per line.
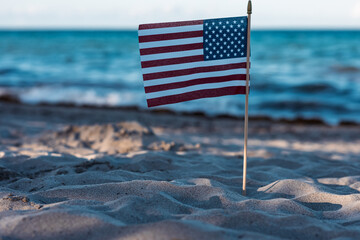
x,y
345,69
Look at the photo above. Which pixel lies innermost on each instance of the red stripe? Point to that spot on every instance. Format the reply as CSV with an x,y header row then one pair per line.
x,y
168,86
171,61
170,36
177,48
182,72
169,24
206,93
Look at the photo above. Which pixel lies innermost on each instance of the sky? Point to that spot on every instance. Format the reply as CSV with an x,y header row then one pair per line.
x,y
267,14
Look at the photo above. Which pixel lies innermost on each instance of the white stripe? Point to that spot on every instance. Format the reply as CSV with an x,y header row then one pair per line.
x,y
161,56
171,42
147,32
194,76
195,88
192,65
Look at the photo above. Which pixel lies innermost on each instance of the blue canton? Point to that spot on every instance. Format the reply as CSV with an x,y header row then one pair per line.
x,y
225,38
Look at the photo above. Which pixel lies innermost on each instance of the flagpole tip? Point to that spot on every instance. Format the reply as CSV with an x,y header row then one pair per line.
x,y
249,7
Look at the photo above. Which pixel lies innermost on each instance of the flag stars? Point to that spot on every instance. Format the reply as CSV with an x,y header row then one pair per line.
x,y
222,38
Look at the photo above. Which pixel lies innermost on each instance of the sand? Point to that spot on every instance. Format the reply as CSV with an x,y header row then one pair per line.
x,y
86,173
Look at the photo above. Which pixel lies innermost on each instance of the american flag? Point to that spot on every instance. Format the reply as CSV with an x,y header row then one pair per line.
x,y
189,60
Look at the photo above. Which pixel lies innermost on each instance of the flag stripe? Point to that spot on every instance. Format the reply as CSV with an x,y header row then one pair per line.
x,y
172,55
181,63
171,42
168,49
170,24
194,76
151,66
189,28
183,72
174,85
170,36
205,93
195,88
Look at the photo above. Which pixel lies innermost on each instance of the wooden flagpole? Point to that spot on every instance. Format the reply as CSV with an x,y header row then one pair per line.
x,y
249,11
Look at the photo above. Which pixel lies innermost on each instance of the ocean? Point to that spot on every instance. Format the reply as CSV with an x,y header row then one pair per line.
x,y
306,74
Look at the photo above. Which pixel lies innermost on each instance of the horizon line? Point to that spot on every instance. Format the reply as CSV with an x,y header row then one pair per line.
x,y
2,28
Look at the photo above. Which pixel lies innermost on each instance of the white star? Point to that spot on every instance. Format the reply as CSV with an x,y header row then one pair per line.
x,y
224,35
213,23
210,52
232,42
243,29
213,31
225,51
214,39
239,25
225,43
232,34
221,39
228,39
209,28
217,43
214,56
217,35
206,24
242,37
217,52
207,49
207,57
238,50
242,45
221,55
242,54
216,27
206,40
232,50
228,46
235,46
228,55
221,47
224,27
227,22
214,48
235,38
231,26
220,31
209,36
235,54
210,44
234,21
220,22
228,30
235,30
242,21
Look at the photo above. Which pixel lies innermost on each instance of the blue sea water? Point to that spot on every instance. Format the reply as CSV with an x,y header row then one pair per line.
x,y
309,74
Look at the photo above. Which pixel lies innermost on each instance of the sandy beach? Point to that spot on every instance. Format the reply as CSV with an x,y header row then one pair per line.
x,y
92,173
